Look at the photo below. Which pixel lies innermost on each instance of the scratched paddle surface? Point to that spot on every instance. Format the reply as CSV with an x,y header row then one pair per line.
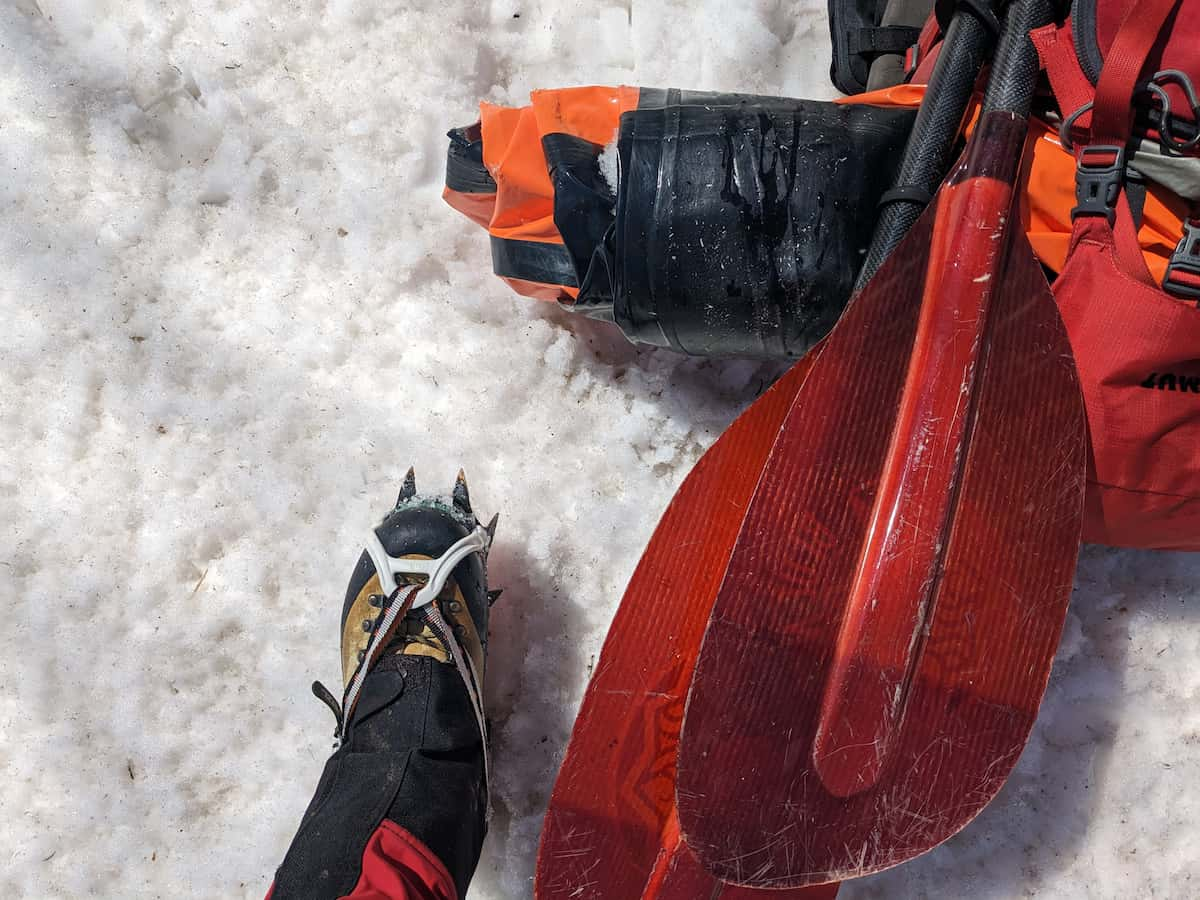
x,y
611,830
857,702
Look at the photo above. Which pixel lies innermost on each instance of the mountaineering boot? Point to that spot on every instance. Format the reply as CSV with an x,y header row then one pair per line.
x,y
402,805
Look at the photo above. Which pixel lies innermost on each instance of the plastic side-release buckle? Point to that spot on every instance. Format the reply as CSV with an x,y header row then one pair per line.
x,y
1183,271
1098,179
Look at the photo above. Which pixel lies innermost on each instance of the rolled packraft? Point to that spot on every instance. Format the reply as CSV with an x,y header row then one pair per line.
x,y
734,227
532,176
715,240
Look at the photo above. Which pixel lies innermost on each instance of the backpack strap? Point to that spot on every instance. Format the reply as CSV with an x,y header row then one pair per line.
x,y
1112,115
1101,162
873,40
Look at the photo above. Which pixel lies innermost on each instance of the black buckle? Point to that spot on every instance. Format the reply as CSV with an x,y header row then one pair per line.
x,y
1185,264
1098,180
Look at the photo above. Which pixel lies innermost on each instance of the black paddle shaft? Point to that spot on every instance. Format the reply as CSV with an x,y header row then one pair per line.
x,y
935,132
1015,69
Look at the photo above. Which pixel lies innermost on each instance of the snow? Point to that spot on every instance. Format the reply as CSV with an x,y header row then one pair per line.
x,y
235,311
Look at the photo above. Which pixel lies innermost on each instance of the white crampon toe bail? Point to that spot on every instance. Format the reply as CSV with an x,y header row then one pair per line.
x,y
437,570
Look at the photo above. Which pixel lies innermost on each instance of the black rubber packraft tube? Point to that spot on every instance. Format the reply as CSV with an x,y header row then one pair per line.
x,y
741,221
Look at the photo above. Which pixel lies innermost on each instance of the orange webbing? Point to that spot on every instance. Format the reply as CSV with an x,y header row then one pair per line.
x,y
906,95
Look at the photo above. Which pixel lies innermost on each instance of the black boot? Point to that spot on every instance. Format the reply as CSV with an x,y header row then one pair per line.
x,y
409,744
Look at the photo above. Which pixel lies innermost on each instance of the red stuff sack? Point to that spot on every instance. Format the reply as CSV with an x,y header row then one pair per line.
x,y
1123,73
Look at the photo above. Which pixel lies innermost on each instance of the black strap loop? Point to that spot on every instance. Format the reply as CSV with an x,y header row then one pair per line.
x,y
905,193
881,39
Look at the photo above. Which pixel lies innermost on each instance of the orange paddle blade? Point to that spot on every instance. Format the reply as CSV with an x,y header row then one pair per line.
x,y
611,830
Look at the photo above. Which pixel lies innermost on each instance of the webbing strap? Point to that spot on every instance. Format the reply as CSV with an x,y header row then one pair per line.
x,y
1099,189
1126,248
1056,50
1112,116
883,39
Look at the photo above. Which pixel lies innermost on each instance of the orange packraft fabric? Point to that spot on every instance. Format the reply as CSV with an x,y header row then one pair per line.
x,y
522,207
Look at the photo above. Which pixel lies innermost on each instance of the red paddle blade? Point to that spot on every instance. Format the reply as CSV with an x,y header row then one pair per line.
x,y
879,648
611,830
679,876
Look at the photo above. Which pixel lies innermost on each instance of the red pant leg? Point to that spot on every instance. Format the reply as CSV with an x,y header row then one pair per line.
x,y
396,866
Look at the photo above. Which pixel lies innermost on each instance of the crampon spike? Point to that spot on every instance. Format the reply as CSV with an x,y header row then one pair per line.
x,y
408,490
462,498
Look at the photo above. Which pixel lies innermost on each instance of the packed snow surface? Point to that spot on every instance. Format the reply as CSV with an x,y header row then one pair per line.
x,y
235,311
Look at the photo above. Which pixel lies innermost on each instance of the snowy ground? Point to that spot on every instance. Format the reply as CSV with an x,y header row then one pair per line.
x,y
235,311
